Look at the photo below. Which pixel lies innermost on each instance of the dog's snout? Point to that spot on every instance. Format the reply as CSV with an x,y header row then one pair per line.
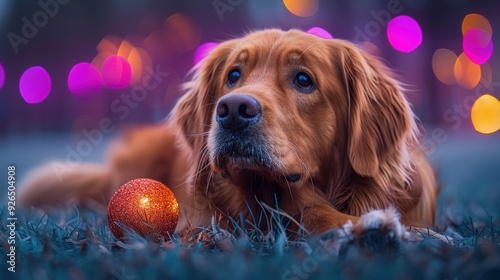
x,y
237,111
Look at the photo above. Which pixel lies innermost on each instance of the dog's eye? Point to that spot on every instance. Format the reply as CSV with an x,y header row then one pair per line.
x,y
233,77
303,81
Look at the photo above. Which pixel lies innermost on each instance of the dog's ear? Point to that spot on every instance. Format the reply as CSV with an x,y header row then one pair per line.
x,y
380,122
193,112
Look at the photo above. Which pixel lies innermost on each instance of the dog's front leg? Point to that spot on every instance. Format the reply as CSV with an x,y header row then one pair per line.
x,y
318,218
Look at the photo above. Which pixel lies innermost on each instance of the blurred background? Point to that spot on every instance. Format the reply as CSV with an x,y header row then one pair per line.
x,y
73,72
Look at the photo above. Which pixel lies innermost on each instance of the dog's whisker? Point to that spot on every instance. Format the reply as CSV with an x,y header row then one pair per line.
x,y
200,134
195,159
199,159
209,180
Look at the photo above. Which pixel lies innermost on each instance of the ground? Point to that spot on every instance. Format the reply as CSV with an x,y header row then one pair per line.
x,y
77,243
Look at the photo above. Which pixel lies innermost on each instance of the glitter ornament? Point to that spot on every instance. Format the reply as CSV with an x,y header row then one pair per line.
x,y
146,206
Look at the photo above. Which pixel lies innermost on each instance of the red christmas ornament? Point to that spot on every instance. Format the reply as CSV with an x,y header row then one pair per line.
x,y
146,206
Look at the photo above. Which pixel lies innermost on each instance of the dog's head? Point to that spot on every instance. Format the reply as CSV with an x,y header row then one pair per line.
x,y
290,106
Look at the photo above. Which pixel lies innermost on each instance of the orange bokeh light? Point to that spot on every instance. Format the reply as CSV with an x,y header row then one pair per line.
x,y
124,49
467,73
99,59
302,8
485,114
109,44
476,21
443,64
135,61
486,74
138,58
182,32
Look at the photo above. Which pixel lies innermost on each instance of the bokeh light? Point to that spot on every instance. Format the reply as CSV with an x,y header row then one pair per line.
x,y
35,85
477,45
485,114
84,79
109,43
2,76
302,8
486,74
203,51
467,73
156,44
320,32
182,33
139,60
404,33
135,60
476,21
99,59
443,65
124,49
116,72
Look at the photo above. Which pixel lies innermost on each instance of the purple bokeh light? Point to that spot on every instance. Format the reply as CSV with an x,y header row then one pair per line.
x,y
203,51
320,32
2,76
404,33
116,72
35,85
477,45
84,79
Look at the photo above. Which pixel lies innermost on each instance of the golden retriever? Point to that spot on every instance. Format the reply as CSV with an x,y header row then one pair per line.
x,y
316,127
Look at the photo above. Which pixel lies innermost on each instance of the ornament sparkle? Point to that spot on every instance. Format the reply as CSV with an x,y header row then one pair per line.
x,y
146,206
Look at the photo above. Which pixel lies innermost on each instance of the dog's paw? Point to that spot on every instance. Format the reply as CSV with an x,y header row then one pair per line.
x,y
378,232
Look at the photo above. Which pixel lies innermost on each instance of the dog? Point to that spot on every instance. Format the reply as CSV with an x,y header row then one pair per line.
x,y
316,127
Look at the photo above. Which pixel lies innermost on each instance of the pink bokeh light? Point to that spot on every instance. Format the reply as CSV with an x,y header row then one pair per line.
x,y
2,76
116,72
477,45
404,33
320,32
35,85
84,79
203,51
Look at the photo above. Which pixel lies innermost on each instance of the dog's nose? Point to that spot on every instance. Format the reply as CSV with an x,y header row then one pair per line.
x,y
237,111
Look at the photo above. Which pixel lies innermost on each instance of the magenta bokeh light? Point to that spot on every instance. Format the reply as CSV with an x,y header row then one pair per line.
x,y
477,45
84,79
404,33
2,76
116,72
35,85
203,51
320,32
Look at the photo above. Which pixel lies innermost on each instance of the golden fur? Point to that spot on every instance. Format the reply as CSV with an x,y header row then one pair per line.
x,y
353,140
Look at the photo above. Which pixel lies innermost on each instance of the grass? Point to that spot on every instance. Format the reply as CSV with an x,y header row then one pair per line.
x,y
77,244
